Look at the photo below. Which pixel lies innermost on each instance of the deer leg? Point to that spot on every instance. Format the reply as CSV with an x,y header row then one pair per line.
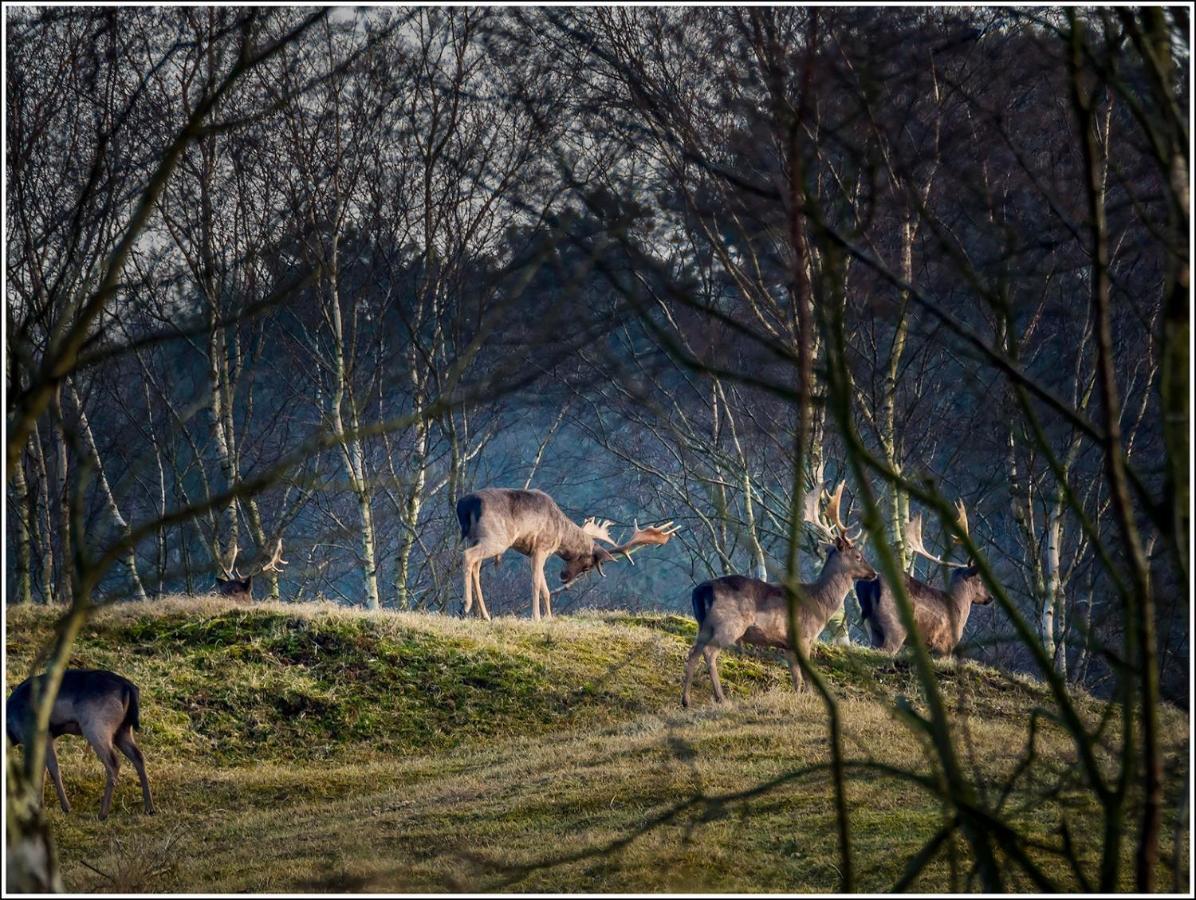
x,y
541,584
102,745
124,741
537,577
55,776
711,652
691,665
799,683
467,569
477,583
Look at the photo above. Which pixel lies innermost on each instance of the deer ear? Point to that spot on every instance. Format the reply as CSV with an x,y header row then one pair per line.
x,y
826,549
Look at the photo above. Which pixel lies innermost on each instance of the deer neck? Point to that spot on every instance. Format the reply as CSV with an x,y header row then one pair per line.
x,y
959,595
574,542
829,591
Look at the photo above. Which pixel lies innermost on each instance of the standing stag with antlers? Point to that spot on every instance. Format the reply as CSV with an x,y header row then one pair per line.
x,y
494,520
735,608
239,587
939,616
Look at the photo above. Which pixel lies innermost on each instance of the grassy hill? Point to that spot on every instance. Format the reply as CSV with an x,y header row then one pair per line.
x,y
301,748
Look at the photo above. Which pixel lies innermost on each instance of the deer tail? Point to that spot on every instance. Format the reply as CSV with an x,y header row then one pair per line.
x,y
702,598
868,593
133,715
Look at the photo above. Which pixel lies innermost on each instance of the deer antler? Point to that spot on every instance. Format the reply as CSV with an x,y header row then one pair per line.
x,y
913,540
828,522
276,560
228,564
599,530
653,535
963,519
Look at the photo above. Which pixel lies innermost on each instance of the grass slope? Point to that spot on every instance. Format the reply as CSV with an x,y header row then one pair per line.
x,y
299,748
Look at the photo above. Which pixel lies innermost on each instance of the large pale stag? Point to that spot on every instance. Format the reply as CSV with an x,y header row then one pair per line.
x,y
940,616
735,608
495,520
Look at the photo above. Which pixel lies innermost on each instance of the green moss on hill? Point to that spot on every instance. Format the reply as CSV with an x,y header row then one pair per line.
x,y
271,683
309,747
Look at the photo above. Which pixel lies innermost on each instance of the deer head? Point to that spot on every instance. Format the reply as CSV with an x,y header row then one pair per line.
x,y
838,544
966,576
239,587
656,535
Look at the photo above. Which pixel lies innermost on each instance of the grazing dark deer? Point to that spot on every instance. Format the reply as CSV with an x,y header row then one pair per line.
x,y
494,520
735,608
101,706
238,587
940,616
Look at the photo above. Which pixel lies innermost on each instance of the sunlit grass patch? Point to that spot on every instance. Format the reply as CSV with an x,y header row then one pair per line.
x,y
311,747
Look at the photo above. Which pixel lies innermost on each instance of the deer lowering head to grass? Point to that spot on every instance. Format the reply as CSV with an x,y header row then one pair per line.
x,y
101,706
940,616
238,587
735,608
494,520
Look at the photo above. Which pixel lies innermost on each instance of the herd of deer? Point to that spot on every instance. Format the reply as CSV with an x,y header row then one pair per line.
x,y
104,707
732,609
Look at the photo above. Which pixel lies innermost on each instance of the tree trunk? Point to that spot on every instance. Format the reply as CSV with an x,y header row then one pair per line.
x,y
351,451
896,502
24,512
409,521
217,376
30,861
65,586
44,529
118,520
153,435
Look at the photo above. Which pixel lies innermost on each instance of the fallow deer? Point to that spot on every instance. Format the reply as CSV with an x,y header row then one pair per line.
x,y
735,608
238,587
494,520
101,706
940,616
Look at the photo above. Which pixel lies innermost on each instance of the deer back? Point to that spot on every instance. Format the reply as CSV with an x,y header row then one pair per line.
x,y
85,695
526,521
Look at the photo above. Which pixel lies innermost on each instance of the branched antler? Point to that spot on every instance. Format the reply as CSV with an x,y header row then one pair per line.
x,y
653,535
228,564
276,560
913,537
599,530
229,571
827,522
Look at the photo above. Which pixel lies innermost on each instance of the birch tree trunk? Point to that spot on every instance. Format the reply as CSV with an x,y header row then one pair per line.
x,y
409,518
42,520
109,498
65,588
22,501
896,503
759,560
351,450
161,541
